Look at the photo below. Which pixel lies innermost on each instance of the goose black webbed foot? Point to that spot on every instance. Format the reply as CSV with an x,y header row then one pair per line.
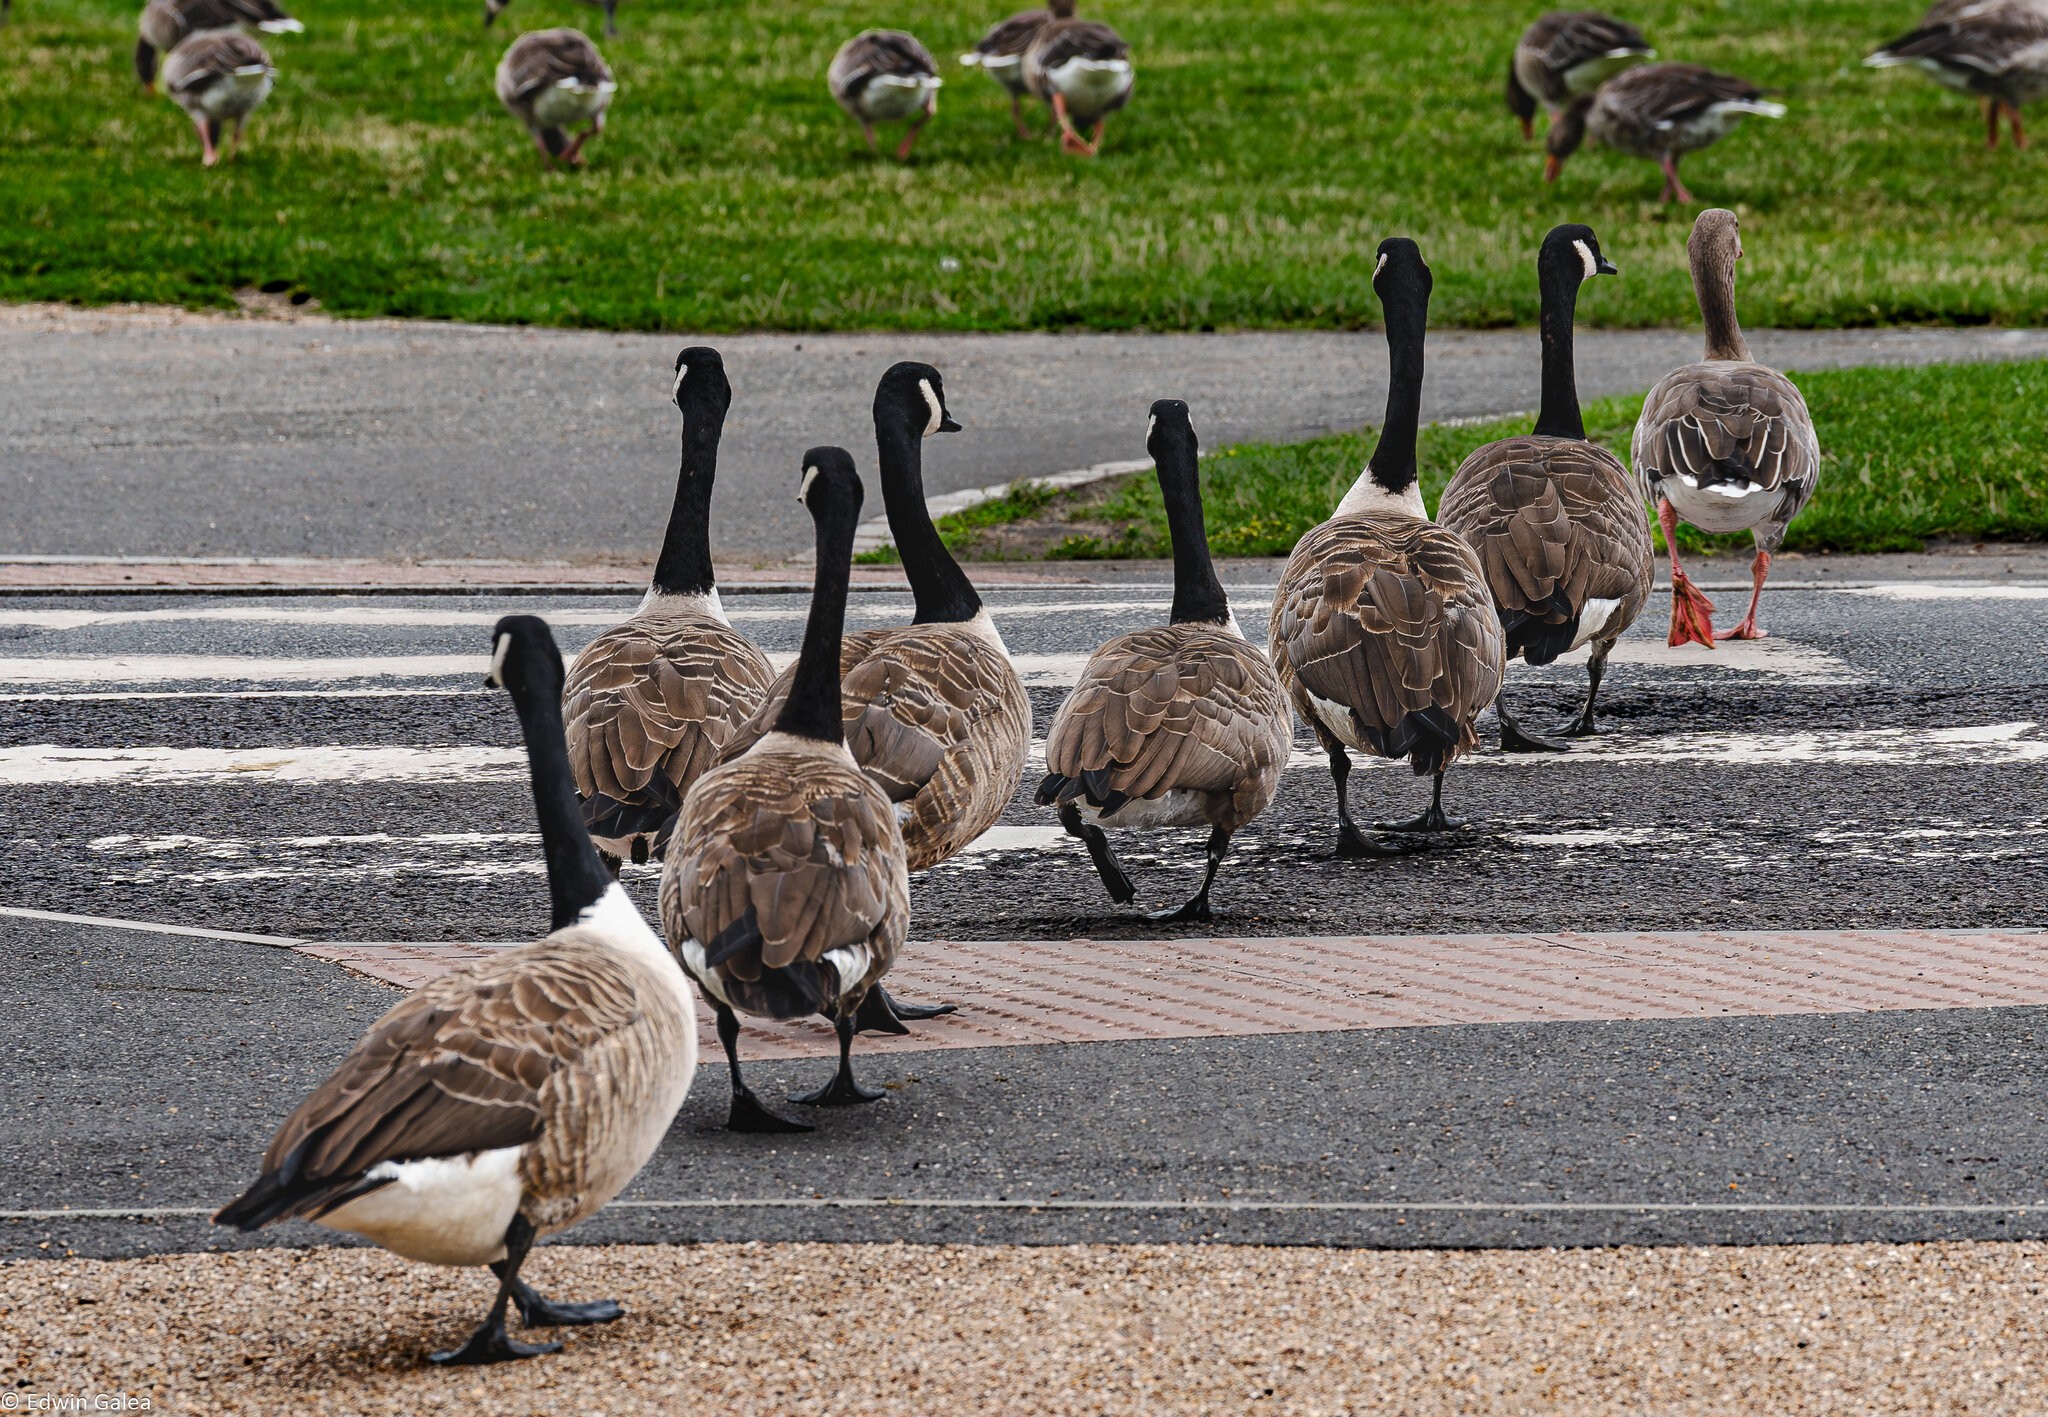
x,y
536,1310
1196,909
490,1344
910,1013
1432,820
843,1090
750,1114
1353,844
1514,740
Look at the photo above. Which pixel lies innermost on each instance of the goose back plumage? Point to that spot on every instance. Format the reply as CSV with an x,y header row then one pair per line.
x,y
1731,446
1084,61
1659,110
1991,48
167,23
883,75
553,80
1000,52
1571,52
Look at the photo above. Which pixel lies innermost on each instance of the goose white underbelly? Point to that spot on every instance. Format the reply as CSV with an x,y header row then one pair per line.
x,y
560,107
1005,69
235,95
1337,718
1091,86
889,97
1720,507
1179,808
445,1210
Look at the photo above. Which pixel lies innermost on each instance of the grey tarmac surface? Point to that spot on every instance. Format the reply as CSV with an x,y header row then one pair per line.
x,y
155,433
294,766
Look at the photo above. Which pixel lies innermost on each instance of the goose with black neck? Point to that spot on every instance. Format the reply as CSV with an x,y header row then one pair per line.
x,y
511,1099
1556,520
1211,753
1382,633
655,702
786,891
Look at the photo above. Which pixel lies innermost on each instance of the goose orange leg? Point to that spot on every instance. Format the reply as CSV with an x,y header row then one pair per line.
x,y
1070,141
910,138
2019,134
1674,190
1748,629
1991,123
1692,614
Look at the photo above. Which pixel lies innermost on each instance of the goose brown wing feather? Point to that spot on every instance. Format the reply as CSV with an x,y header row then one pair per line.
x,y
545,57
1721,419
1014,34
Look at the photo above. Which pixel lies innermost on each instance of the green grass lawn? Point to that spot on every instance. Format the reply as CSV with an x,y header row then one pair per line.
x,y
1266,151
1954,451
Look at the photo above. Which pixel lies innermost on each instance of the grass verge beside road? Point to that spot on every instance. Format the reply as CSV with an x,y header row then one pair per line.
x,y
1909,456
1267,150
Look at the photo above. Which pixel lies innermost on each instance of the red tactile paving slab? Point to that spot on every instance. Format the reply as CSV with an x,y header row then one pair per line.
x,y
1083,991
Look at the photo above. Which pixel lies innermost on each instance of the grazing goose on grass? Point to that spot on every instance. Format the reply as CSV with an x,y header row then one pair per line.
x,y
1661,112
1000,55
166,24
1181,726
1565,54
1725,444
553,80
934,710
1557,521
494,8
785,892
510,1099
654,702
884,76
218,78
1995,49
1383,634
1083,69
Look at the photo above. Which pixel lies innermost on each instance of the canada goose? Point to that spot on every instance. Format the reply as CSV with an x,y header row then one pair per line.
x,y
166,23
1565,54
1725,444
1083,69
510,1099
1179,726
218,77
934,711
1557,521
552,80
494,8
1661,112
1995,49
785,891
1383,633
1000,55
880,76
653,702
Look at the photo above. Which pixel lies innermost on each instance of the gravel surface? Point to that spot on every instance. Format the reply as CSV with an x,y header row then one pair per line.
x,y
889,1329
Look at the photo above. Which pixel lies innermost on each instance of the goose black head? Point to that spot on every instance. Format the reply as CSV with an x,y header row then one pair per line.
x,y
1573,250
831,487
700,385
1399,269
524,657
1171,430
914,397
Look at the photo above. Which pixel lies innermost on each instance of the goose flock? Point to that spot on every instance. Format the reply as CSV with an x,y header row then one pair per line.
x,y
1591,72
507,1101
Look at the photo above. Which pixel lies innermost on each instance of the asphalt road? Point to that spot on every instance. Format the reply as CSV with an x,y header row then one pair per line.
x,y
155,434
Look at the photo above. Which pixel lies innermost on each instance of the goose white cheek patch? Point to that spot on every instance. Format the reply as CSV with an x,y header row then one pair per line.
x,y
675,390
803,493
932,401
503,648
1586,256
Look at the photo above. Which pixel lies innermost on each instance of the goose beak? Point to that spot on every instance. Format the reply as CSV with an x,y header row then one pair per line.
x,y
1606,267
947,425
1551,167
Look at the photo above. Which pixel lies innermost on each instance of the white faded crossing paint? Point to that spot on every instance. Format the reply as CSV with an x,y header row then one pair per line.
x,y
46,764
1947,590
236,669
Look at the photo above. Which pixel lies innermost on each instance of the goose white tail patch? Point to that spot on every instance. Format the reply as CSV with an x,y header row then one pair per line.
x,y
438,1210
1593,618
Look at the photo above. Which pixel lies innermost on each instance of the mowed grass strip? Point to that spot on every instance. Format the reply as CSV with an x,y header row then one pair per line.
x,y
1267,150
1909,456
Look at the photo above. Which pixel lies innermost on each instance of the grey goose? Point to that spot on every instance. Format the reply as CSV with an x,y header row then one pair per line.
x,y
218,77
885,76
1660,112
1557,521
1082,69
654,702
1000,53
165,24
510,1099
1382,632
1996,50
552,81
1726,444
785,891
1565,54
1183,725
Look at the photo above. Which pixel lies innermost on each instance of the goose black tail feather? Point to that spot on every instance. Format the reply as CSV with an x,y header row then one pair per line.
x,y
1093,785
797,990
1544,632
610,818
285,1194
1426,737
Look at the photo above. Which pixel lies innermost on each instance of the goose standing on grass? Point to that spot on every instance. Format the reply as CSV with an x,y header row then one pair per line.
x,y
165,24
1000,55
1182,726
1383,634
494,8
511,1099
1661,112
884,76
1726,444
1995,49
653,703
1557,521
553,80
1083,69
785,892
218,77
1565,54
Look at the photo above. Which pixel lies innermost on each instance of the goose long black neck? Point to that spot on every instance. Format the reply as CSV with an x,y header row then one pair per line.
x,y
1559,282
1406,305
1197,595
684,567
576,879
812,709
940,588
